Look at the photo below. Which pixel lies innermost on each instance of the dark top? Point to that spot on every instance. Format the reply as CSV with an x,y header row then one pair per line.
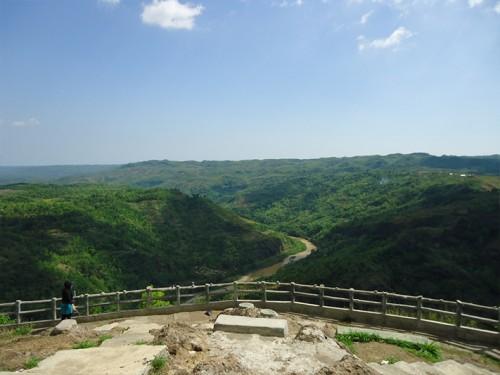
x,y
67,297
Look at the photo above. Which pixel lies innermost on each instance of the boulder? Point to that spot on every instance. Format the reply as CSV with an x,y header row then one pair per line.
x,y
246,305
268,313
64,326
311,333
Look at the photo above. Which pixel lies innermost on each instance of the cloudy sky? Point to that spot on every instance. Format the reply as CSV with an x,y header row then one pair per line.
x,y
112,81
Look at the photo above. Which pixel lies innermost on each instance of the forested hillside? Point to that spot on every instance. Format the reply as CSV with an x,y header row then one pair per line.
x,y
413,223
106,238
443,243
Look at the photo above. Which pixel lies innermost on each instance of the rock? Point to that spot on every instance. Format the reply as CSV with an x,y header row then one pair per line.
x,y
246,305
106,327
197,345
65,325
251,312
268,313
347,365
180,336
228,365
311,333
329,330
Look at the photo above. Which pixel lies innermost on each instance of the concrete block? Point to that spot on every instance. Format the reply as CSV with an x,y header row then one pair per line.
x,y
243,324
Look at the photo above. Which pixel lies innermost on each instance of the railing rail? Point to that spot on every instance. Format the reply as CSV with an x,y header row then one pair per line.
x,y
457,313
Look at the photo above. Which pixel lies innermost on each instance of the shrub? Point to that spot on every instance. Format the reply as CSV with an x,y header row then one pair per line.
x,y
5,319
158,363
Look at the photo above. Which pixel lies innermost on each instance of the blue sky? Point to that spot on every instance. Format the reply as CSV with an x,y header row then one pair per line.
x,y
95,81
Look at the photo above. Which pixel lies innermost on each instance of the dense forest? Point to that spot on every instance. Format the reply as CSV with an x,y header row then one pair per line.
x,y
414,223
106,238
443,244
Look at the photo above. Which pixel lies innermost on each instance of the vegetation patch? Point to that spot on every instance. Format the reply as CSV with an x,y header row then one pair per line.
x,y
157,364
92,343
23,330
428,351
32,362
5,319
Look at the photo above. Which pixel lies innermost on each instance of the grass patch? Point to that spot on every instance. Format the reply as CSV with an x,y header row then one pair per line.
x,y
85,344
92,343
141,342
31,362
23,330
428,351
103,338
157,364
392,360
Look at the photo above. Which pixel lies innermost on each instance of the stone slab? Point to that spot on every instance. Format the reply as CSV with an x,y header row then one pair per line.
x,y
244,324
125,360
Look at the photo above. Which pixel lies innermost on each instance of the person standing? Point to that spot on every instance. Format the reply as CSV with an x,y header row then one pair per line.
x,y
67,301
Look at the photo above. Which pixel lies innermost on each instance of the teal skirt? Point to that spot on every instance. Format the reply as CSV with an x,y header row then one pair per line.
x,y
66,309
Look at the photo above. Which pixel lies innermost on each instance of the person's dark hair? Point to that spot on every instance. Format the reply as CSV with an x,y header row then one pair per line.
x,y
67,284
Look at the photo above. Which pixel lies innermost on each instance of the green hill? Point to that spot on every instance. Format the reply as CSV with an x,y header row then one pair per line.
x,y
443,244
344,205
106,238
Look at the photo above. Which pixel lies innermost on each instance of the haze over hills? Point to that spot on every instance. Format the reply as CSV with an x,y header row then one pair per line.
x,y
412,223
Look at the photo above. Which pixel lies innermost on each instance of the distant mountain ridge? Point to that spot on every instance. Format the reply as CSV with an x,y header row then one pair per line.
x,y
487,164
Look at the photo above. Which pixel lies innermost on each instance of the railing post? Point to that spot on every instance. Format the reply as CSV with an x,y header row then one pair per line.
x,y
322,295
148,297
458,317
87,305
235,291
384,303
207,293
54,308
351,299
292,292
178,295
118,301
419,308
18,311
264,291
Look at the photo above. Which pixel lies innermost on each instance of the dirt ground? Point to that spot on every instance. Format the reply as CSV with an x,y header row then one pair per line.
x,y
378,351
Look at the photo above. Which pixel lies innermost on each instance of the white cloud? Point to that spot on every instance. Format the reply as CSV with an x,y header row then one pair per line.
x,y
365,17
110,2
29,123
475,3
171,14
497,8
289,3
392,41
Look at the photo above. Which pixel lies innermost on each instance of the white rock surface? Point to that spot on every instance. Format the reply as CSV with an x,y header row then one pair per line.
x,y
124,360
134,332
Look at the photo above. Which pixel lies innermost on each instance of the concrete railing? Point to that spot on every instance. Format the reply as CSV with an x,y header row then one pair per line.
x,y
446,319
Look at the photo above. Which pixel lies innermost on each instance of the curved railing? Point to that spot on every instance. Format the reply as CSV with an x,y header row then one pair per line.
x,y
447,319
